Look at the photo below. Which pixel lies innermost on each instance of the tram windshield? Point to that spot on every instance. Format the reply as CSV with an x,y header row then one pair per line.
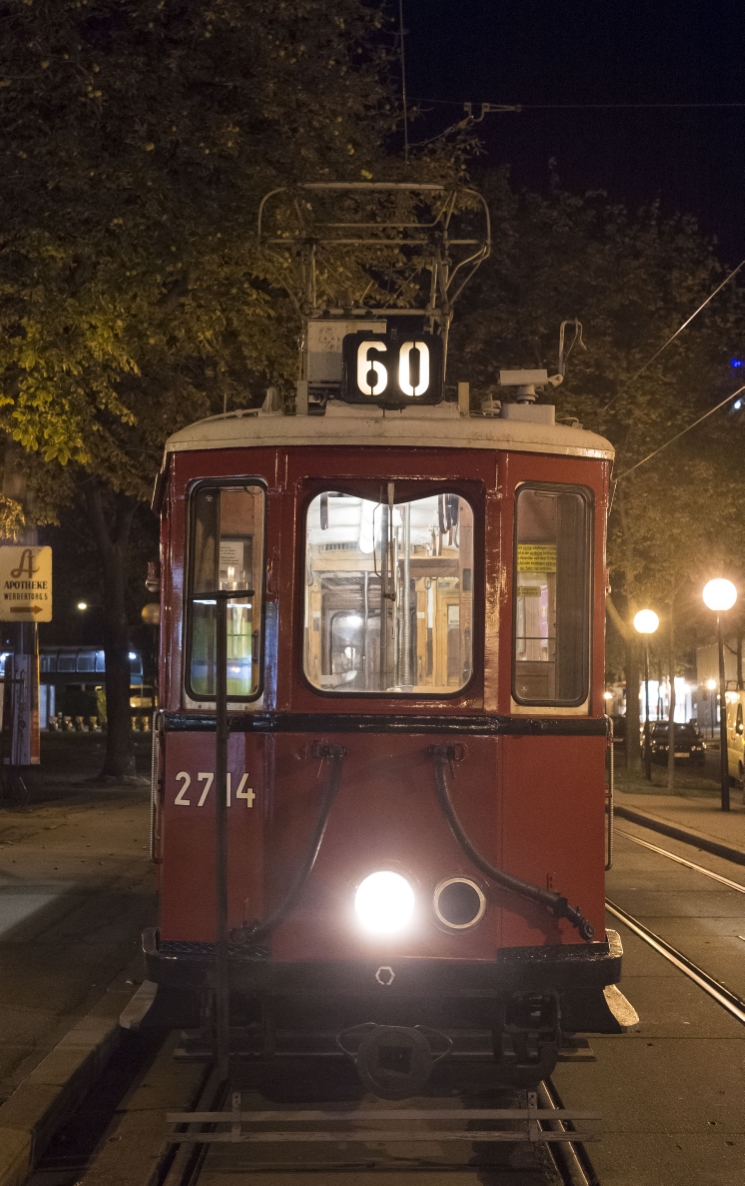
x,y
389,594
552,596
228,557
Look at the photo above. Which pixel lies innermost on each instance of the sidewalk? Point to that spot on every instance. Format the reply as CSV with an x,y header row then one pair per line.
x,y
694,814
76,889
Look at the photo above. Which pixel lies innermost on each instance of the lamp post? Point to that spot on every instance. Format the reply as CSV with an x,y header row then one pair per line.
x,y
646,622
720,595
711,686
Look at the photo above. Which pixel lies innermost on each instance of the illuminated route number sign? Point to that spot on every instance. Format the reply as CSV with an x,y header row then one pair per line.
x,y
379,370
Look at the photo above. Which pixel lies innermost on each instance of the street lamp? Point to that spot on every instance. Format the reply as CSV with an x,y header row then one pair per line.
x,y
646,622
720,595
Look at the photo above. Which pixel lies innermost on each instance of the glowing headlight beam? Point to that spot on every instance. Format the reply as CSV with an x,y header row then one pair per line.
x,y
384,902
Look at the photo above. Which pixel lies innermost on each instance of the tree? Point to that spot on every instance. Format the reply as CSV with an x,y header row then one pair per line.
x,y
136,139
631,279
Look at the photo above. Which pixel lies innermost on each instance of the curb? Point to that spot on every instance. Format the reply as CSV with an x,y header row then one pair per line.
x,y
688,836
49,1095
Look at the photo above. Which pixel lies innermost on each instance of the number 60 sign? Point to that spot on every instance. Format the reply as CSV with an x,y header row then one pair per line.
x,y
378,369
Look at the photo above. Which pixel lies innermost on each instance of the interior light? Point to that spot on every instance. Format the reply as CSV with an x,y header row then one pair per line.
x,y
711,684
132,655
607,695
82,605
384,902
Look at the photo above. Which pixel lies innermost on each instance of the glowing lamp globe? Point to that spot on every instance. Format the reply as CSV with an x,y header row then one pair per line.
x,y
719,595
646,621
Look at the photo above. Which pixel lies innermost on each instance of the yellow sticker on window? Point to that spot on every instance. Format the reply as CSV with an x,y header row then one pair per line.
x,y
528,590
536,557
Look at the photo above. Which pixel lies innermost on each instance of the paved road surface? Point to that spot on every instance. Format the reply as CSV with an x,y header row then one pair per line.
x,y
76,889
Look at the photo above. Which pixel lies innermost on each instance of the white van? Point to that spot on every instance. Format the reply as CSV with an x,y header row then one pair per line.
x,y
736,735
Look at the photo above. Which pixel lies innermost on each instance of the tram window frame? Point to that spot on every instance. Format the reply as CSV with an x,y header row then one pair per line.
x,y
407,490
587,497
219,484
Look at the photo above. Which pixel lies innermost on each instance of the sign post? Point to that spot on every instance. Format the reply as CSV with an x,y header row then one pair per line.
x,y
25,600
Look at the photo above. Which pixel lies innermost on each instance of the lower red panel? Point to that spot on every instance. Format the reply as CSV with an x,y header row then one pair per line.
x,y
553,821
528,804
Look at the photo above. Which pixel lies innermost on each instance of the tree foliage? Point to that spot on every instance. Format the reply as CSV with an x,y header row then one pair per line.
x,y
632,279
137,137
136,140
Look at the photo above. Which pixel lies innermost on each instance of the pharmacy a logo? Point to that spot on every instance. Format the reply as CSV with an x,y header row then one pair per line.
x,y
26,566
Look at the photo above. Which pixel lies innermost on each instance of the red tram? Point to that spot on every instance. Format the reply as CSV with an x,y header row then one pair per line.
x,y
415,794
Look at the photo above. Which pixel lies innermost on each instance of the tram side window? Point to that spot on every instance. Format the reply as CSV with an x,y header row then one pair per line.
x,y
552,596
389,594
227,554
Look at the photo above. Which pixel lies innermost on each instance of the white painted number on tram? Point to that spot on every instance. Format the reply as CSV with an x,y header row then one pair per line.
x,y
407,381
366,365
207,778
413,368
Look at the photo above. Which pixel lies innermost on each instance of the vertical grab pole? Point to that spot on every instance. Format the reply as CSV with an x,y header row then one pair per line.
x,y
610,796
383,639
222,993
407,678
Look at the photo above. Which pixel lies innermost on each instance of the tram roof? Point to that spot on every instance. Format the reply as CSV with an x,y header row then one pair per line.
x,y
439,427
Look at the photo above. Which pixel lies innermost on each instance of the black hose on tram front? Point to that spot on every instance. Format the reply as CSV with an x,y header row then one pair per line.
x,y
557,904
258,930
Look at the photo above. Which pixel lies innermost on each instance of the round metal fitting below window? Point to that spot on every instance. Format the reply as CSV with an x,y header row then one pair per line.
x,y
459,903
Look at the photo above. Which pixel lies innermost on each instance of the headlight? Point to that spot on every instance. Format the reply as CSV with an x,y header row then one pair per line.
x,y
384,902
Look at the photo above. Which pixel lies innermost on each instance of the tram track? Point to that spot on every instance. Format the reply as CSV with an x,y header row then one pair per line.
x,y
734,1004
728,1000
119,1137
663,852
183,1162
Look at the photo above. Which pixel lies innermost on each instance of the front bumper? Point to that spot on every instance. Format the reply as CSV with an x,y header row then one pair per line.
x,y
560,969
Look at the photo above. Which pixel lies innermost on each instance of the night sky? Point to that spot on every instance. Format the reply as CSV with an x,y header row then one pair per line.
x,y
547,53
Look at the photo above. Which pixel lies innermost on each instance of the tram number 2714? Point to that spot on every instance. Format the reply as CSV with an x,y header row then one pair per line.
x,y
189,796
380,369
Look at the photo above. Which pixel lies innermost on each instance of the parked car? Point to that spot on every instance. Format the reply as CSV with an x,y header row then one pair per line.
x,y
689,744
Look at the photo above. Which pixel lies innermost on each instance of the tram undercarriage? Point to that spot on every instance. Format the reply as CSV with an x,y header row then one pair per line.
x,y
397,1021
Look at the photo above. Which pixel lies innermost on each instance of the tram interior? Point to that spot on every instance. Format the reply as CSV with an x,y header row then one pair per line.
x,y
389,593
227,555
551,614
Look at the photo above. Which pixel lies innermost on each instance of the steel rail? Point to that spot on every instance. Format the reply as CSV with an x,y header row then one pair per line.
x,y
734,885
571,1159
730,1001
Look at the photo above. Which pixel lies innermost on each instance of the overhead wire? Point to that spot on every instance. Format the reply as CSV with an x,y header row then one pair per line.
x,y
680,434
403,79
672,338
591,106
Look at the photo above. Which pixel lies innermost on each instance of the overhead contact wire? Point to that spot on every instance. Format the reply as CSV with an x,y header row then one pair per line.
x,y
680,434
672,338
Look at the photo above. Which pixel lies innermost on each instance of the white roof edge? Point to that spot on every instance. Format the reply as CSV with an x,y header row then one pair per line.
x,y
414,428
